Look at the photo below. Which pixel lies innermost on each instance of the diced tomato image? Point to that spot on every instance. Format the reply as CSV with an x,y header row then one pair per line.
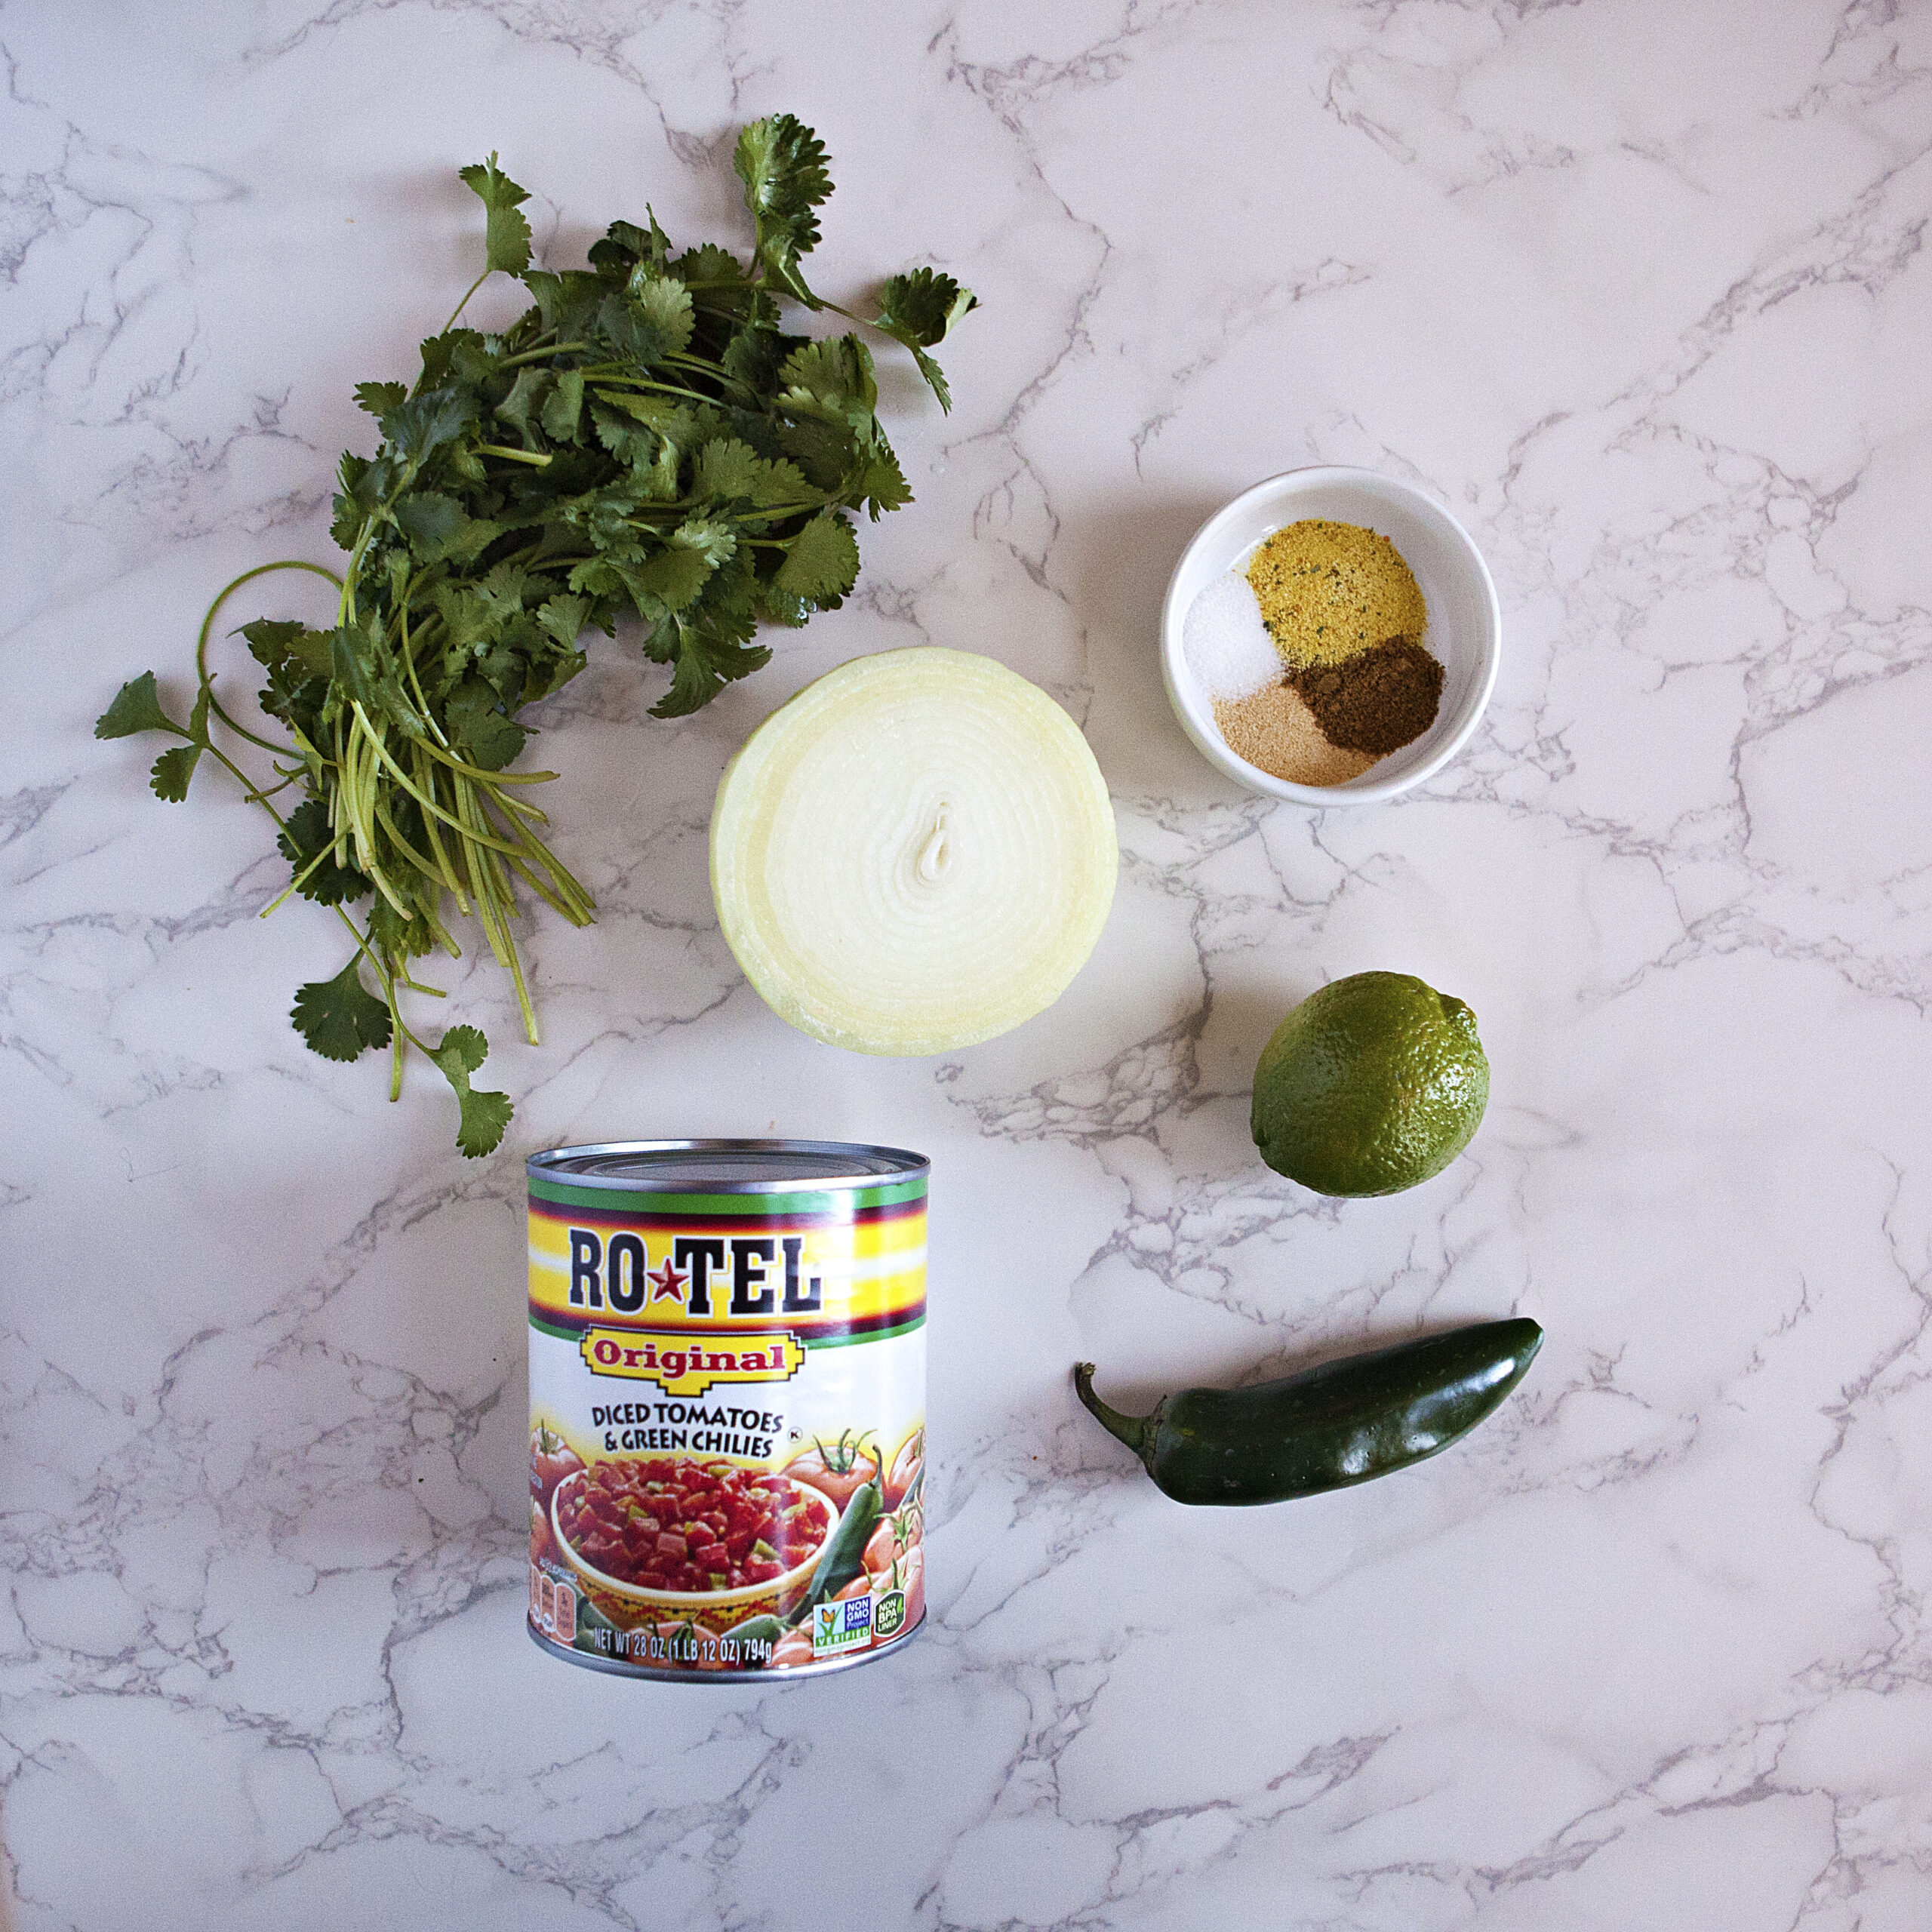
x,y
678,1524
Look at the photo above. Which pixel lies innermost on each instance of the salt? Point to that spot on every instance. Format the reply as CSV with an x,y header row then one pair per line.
x,y
1226,644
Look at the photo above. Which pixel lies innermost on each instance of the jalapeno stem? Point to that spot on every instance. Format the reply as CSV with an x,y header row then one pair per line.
x,y
1136,1431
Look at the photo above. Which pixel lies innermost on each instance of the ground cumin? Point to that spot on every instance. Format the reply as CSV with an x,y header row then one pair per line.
x,y
1379,700
1328,590
1274,731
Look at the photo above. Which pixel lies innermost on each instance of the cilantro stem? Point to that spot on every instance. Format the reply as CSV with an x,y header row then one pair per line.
x,y
358,790
207,625
538,354
416,859
513,455
465,303
250,790
396,1028
409,660
579,904
408,784
429,780
553,899
294,884
621,381
476,772
495,905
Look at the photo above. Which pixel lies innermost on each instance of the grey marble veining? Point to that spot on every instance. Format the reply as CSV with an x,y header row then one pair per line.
x,y
1641,293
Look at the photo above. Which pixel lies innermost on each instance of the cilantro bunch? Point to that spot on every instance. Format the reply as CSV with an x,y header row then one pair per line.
x,y
646,441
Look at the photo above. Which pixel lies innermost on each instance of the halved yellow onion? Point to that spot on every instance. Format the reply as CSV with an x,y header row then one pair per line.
x,y
915,853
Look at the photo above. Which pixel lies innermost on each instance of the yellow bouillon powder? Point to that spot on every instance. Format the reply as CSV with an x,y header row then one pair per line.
x,y
1329,590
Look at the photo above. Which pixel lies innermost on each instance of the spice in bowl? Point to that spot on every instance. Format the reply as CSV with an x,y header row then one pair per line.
x,y
1312,654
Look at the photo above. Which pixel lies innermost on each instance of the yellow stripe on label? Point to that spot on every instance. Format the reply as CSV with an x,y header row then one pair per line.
x,y
800,1277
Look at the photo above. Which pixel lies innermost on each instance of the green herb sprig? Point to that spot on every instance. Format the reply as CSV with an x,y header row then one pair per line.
x,y
645,442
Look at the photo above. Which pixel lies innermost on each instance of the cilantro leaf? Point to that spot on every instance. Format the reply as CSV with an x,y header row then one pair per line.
x,y
881,484
477,720
917,309
643,331
824,448
362,670
137,707
355,502
379,398
563,406
506,233
172,770
823,561
483,1116
727,469
752,359
836,374
565,618
307,842
339,1017
425,422
665,304
429,519
527,393
272,642
707,662
669,580
782,164
437,527
398,935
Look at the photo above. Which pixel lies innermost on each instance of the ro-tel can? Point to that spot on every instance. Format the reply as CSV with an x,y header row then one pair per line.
x,y
727,1404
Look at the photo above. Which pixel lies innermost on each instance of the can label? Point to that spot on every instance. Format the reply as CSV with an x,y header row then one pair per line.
x,y
727,1424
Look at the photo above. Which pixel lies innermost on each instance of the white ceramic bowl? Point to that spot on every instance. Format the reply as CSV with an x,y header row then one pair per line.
x,y
1464,631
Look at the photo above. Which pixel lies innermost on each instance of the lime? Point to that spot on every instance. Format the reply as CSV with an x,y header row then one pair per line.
x,y
1372,1084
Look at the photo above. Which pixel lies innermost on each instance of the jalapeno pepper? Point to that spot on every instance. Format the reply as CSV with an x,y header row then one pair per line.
x,y
1342,1422
845,1555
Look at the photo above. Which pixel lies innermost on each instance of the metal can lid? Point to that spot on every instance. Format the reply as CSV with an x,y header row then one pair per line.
x,y
723,1167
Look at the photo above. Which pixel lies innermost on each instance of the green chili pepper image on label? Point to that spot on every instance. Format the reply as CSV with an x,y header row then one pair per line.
x,y
1342,1422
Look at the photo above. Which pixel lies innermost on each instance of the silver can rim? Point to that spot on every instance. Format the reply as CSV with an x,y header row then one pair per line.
x,y
660,1161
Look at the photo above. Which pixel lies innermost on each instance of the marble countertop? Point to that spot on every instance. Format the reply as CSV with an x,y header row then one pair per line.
x,y
1640,293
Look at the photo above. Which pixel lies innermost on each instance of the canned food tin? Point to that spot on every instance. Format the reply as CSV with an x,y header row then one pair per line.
x,y
728,1405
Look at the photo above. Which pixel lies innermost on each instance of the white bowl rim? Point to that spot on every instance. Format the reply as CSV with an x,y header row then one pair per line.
x,y
694,1600
1208,741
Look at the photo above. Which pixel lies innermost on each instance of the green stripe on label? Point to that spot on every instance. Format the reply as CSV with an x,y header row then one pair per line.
x,y
575,1335
764,1206
870,1335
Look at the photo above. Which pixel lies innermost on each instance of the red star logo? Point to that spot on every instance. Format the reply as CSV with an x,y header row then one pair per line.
x,y
666,1284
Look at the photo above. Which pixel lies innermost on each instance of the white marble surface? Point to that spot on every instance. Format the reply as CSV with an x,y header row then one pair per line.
x,y
1638,289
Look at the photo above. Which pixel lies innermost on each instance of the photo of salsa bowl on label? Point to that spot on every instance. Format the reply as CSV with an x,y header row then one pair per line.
x,y
691,1534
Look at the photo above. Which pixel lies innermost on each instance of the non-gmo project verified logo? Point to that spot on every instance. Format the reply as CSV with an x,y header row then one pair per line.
x,y
845,1625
